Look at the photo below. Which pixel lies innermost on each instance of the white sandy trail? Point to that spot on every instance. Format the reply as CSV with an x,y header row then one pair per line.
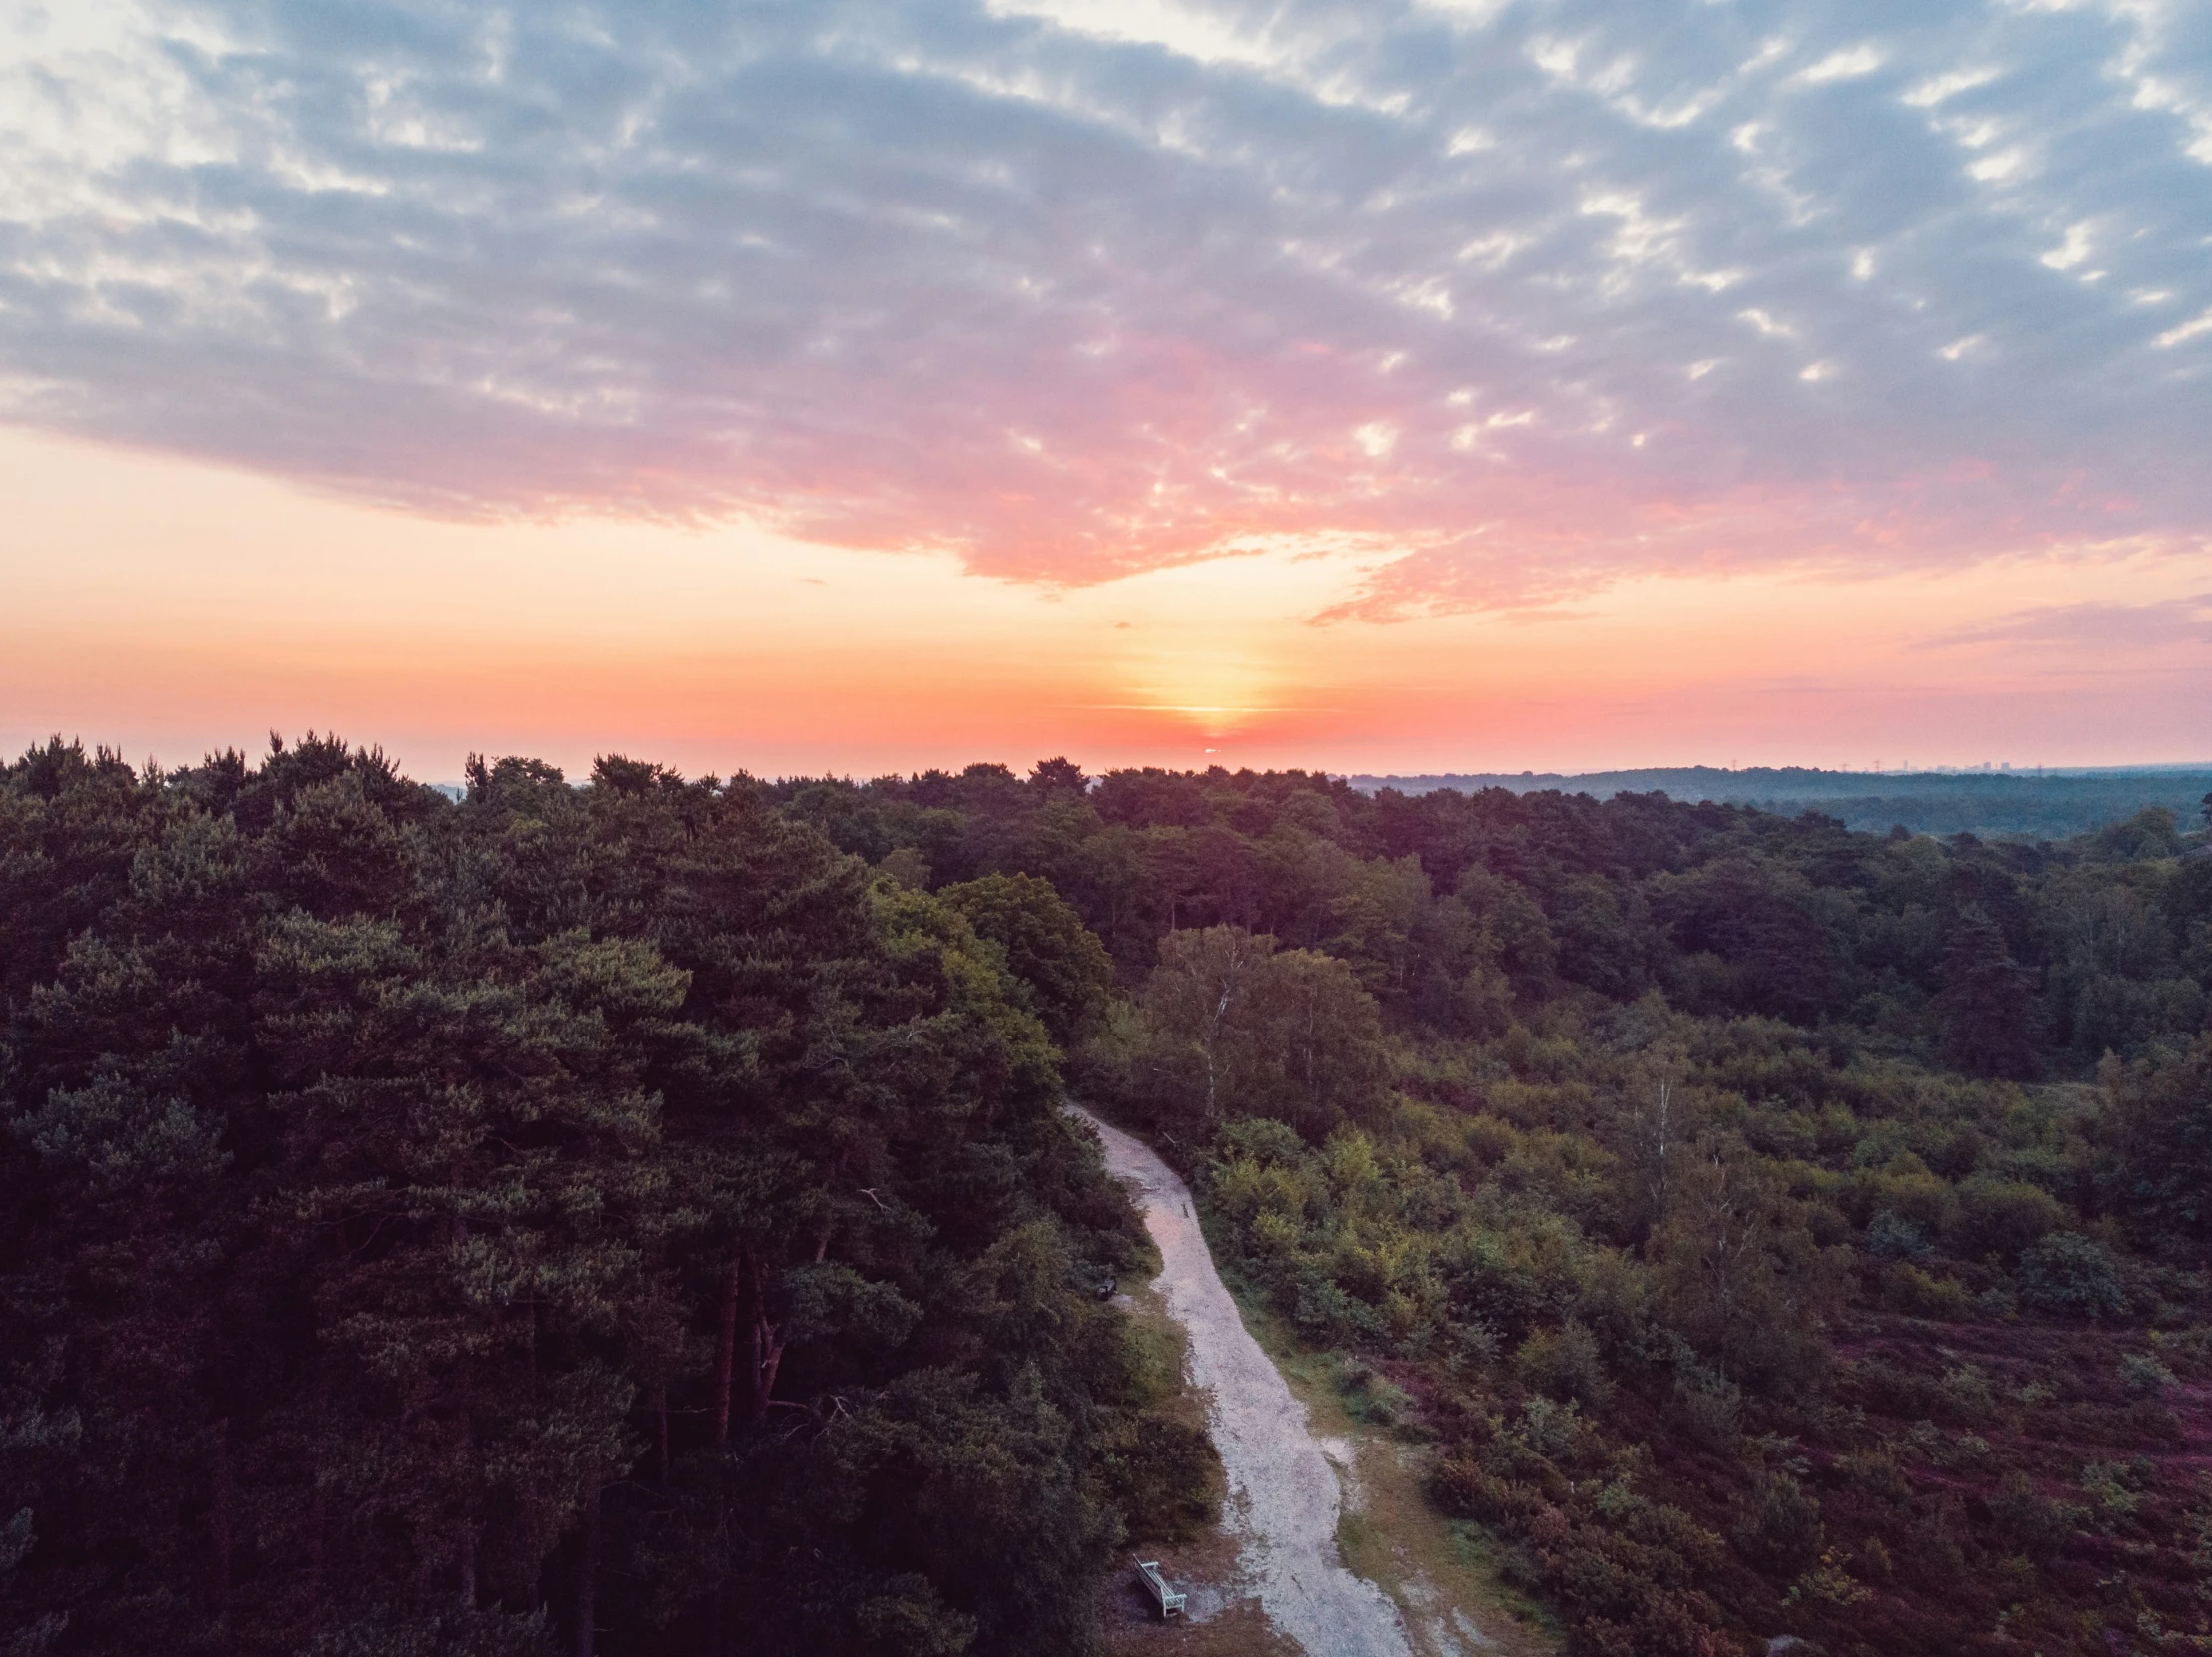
x,y
1283,1496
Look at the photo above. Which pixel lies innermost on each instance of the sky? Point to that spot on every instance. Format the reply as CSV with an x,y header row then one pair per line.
x,y
1452,385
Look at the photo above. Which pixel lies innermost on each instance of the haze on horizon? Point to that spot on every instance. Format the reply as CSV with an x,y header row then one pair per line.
x,y
1458,386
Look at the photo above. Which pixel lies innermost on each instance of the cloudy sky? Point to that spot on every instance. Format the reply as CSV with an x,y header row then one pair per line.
x,y
1465,383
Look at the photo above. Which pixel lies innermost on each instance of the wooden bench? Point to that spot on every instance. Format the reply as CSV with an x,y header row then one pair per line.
x,y
1169,1601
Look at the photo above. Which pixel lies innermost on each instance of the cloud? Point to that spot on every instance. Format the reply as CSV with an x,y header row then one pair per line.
x,y
2094,626
2195,328
1525,297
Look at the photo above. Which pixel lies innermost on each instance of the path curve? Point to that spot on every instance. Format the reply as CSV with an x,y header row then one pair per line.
x,y
1283,1496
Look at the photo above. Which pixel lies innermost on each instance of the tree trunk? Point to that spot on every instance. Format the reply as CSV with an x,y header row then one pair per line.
x,y
767,1352
767,1339
468,1516
315,1545
588,1573
725,1358
662,1399
222,1523
768,1355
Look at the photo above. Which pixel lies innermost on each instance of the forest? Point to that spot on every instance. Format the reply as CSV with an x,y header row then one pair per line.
x,y
638,1216
2041,805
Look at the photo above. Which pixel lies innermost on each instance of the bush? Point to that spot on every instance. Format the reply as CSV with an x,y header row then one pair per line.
x,y
1969,1388
1621,1570
1160,1475
1875,1472
1892,1237
2036,1525
1782,1532
1708,1410
2157,1132
2116,1486
2071,1275
1896,1390
2001,1218
1915,1293
1564,1364
2144,1373
1368,1395
1462,1488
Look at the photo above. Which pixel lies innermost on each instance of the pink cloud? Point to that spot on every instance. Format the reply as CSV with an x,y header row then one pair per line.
x,y
931,277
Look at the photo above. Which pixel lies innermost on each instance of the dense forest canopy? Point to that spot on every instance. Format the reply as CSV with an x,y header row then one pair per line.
x,y
576,1215
639,1216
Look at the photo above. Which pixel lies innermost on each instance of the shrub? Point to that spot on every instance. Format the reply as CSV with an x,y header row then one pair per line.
x,y
1907,1191
1969,1450
2113,1486
1875,1472
1969,1388
1370,1395
1463,1488
1161,1474
1563,1363
1892,1237
2071,1275
2144,1373
2000,1218
1915,1293
1895,1391
2035,1524
1708,1410
1621,1568
1557,1434
1996,1303
1782,1532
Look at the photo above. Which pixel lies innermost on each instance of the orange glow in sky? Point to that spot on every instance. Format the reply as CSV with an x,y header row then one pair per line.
x,y
166,606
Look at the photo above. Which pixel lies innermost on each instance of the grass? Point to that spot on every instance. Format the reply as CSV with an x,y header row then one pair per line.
x,y
1165,1348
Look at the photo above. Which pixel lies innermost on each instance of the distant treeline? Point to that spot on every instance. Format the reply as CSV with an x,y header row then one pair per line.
x,y
2055,806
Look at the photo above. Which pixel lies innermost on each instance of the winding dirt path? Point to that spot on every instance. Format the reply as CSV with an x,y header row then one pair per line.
x,y
1283,1496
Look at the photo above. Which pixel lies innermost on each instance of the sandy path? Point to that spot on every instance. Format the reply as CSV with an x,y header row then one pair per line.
x,y
1282,1493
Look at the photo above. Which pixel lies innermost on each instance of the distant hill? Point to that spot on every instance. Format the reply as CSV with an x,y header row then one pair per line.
x,y
2052,805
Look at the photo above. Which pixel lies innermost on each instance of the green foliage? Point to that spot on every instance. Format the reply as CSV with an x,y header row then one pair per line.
x,y
1998,1219
1612,1195
1057,963
479,1228
646,1206
2071,1275
2159,1142
2114,1488
1890,1236
2144,1373
1917,1294
1231,1025
1564,1363
1781,1527
1985,1000
2035,1525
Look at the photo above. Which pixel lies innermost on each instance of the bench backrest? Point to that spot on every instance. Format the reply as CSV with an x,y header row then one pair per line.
x,y
1169,1601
